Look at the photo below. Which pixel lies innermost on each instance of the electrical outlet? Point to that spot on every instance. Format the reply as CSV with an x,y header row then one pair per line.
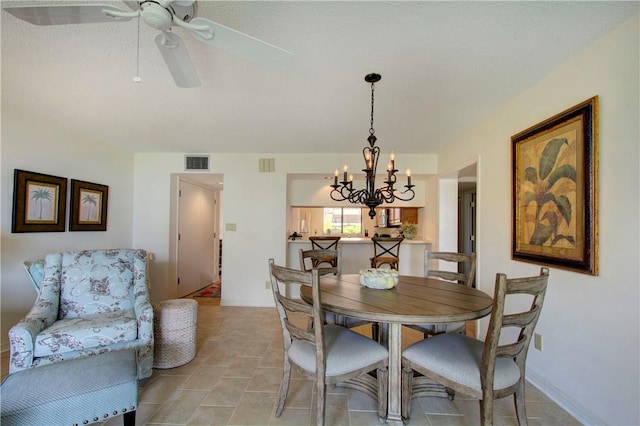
x,y
267,285
537,341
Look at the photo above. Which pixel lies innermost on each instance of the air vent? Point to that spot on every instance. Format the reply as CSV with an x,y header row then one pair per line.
x,y
267,165
196,162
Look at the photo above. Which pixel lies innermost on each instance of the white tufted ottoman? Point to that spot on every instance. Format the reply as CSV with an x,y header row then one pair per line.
x,y
174,329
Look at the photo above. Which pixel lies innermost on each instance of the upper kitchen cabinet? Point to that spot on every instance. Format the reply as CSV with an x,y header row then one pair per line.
x,y
399,215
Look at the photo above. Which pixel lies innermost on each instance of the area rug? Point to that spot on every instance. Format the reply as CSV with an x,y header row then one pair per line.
x,y
212,290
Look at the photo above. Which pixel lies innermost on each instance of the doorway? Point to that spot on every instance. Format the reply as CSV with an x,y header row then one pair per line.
x,y
197,233
467,211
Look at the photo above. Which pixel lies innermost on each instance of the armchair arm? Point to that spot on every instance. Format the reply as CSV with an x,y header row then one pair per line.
x,y
141,305
22,337
44,312
144,315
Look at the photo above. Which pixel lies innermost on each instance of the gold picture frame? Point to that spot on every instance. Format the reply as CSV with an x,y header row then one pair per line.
x,y
555,190
88,210
39,202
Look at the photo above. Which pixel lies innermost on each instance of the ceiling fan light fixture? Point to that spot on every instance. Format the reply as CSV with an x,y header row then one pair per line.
x,y
156,16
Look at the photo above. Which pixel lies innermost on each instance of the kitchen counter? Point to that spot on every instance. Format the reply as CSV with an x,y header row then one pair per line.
x,y
359,240
357,251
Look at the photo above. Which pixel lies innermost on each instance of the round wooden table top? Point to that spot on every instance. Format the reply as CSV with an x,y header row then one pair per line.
x,y
414,300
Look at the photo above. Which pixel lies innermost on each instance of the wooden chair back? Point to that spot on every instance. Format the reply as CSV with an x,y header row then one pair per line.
x,y
282,276
466,266
313,258
386,251
324,242
525,320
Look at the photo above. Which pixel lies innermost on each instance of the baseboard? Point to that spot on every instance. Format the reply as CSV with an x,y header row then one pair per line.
x,y
568,404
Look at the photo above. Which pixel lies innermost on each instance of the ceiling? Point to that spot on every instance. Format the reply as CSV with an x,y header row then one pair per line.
x,y
445,67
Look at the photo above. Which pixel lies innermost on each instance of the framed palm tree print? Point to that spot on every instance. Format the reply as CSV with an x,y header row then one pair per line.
x,y
88,210
39,202
555,190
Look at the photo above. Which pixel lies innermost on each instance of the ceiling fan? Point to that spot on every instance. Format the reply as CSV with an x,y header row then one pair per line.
x,y
163,15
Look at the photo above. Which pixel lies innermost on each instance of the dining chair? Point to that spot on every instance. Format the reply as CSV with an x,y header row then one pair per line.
x,y
330,354
386,251
306,264
324,242
465,270
318,258
485,370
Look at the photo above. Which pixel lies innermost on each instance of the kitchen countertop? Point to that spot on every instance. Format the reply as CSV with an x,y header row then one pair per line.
x,y
359,240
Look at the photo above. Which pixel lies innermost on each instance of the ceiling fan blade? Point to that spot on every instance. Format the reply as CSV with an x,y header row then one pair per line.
x,y
61,15
242,44
133,5
178,61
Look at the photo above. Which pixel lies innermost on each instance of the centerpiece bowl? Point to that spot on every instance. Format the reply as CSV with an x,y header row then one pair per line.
x,y
379,278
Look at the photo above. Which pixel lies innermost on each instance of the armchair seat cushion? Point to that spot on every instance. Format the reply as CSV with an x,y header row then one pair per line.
x,y
100,329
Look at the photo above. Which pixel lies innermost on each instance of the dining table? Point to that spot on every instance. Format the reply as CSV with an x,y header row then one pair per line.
x,y
414,300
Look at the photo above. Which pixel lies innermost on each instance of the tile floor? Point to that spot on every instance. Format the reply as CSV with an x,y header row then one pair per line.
x,y
236,374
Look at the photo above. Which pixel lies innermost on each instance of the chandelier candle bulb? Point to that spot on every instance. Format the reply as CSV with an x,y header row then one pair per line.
x,y
335,178
345,168
408,177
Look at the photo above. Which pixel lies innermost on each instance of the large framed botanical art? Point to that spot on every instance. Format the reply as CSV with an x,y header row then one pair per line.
x,y
39,202
88,210
555,190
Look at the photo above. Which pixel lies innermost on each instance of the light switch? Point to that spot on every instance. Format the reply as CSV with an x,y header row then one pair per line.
x,y
230,227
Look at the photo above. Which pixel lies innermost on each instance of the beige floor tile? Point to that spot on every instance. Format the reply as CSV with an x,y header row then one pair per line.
x,y
255,408
265,380
336,409
180,410
211,416
161,390
204,377
293,417
300,394
363,418
227,392
242,366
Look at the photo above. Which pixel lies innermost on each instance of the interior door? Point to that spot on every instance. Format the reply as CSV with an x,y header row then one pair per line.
x,y
197,239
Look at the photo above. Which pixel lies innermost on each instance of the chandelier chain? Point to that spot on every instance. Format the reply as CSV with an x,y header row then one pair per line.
x,y
371,131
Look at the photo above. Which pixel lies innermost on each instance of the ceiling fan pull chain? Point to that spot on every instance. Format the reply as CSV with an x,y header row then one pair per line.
x,y
137,78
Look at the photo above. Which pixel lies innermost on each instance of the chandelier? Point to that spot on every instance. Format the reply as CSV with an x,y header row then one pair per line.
x,y
371,196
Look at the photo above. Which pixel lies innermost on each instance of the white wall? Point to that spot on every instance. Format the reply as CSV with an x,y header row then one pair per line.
x,y
255,202
42,147
590,325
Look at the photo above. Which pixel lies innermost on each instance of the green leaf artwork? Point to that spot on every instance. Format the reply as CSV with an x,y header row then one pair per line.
x,y
546,187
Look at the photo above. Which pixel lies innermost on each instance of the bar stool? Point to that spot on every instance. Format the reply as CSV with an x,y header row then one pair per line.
x,y
386,251
324,243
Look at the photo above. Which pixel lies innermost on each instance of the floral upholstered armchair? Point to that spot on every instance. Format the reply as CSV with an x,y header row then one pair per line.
x,y
90,302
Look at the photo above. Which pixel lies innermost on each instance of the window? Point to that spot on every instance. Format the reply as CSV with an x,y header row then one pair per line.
x,y
342,220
